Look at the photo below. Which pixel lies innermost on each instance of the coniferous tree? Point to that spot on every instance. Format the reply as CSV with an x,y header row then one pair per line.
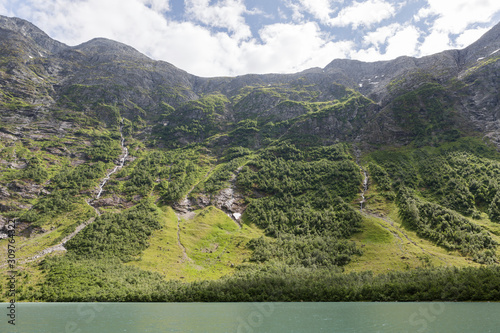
x,y
494,211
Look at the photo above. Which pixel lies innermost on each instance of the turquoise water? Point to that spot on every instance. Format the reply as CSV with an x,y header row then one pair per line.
x,y
253,317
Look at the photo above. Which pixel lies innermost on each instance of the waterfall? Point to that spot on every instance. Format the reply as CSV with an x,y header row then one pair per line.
x,y
357,154
119,166
365,188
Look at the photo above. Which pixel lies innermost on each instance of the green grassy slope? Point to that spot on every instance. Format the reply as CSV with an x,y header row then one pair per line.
x,y
297,216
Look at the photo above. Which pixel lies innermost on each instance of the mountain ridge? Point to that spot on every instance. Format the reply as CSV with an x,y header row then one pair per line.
x,y
105,72
487,45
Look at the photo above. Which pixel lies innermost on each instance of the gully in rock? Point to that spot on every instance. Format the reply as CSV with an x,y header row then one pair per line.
x,y
357,154
122,162
365,188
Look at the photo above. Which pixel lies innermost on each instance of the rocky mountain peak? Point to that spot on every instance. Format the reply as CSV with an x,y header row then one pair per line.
x,y
31,32
109,48
372,78
486,46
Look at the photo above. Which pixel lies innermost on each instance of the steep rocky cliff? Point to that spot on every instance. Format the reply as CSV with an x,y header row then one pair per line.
x,y
40,74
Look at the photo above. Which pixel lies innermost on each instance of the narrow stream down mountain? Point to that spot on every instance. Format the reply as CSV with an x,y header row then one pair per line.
x,y
365,188
90,202
117,167
357,154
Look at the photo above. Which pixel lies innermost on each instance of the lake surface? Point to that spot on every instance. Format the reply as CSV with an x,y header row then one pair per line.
x,y
253,317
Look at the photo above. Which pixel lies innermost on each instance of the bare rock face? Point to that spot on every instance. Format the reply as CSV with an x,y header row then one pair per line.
x,y
4,193
17,194
185,206
13,205
3,227
112,201
25,189
31,32
230,201
3,222
63,151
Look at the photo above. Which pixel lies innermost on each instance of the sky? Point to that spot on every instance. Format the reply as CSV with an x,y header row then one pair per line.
x,y
234,37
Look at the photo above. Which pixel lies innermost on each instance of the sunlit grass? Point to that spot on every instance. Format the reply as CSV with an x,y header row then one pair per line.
x,y
387,245
214,245
163,254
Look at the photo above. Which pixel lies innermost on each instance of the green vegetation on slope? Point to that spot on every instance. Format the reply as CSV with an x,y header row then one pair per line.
x,y
108,280
277,148
121,235
446,227
439,189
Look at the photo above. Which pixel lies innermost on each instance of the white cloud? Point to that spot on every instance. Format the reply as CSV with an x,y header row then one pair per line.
x,y
281,14
404,42
292,47
4,9
157,5
225,14
435,42
423,13
380,35
364,13
456,15
195,49
284,48
469,36
396,39
320,9
128,21
447,18
296,9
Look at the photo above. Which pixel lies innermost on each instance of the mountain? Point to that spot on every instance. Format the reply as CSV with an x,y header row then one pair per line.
x,y
105,72
122,173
